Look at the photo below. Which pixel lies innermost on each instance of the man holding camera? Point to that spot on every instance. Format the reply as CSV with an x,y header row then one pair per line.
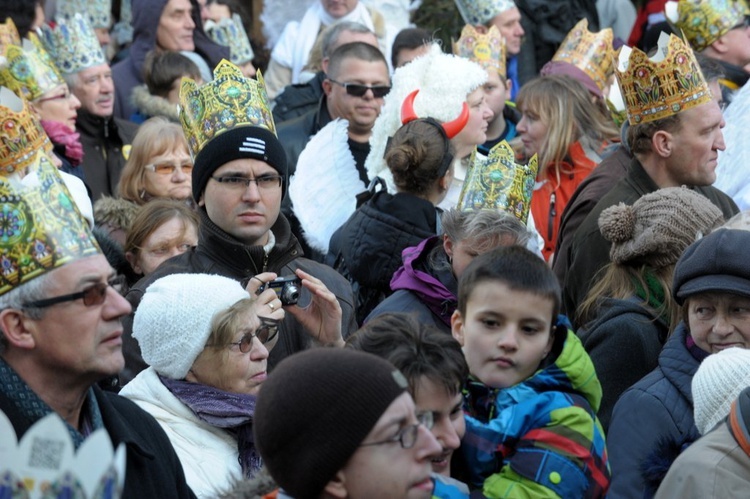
x,y
239,180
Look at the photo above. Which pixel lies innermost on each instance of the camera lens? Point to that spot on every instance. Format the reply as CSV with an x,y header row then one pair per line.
x,y
289,294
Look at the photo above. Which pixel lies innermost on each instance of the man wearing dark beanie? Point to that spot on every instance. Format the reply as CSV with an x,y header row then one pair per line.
x,y
340,423
239,180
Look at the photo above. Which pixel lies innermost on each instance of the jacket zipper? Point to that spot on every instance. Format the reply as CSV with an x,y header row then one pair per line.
x,y
552,215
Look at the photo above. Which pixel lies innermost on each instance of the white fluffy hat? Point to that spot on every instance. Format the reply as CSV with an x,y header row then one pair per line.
x,y
719,380
444,81
173,320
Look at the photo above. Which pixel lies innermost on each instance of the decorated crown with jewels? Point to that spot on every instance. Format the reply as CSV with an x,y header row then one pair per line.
x,y
99,11
21,134
229,101
497,182
590,52
9,33
231,33
480,12
705,21
486,49
28,70
45,462
662,86
73,44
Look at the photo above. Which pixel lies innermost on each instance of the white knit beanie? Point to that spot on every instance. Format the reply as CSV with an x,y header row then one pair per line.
x,y
173,320
719,380
444,81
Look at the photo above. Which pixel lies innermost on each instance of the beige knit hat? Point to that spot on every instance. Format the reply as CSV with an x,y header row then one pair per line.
x,y
658,227
719,380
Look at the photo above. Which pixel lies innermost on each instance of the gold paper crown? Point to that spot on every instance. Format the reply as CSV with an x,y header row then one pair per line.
x,y
28,70
21,134
499,183
41,227
479,12
230,33
99,11
227,102
663,86
486,49
9,33
705,21
590,52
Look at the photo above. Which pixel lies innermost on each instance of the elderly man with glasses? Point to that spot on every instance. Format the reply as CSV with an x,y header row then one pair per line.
x,y
239,178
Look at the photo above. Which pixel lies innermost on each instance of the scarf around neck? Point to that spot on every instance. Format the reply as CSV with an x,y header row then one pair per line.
x,y
229,411
70,140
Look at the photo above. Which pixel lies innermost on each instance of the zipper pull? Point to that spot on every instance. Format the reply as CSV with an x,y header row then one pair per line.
x,y
552,215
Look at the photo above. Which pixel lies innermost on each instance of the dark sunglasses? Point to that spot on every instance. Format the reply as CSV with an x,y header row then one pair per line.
x,y
93,295
357,90
266,332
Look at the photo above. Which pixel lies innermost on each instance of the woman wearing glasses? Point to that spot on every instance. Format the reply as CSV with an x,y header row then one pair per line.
x,y
207,342
159,165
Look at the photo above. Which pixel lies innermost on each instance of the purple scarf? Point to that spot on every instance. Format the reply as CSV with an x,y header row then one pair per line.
x,y
230,411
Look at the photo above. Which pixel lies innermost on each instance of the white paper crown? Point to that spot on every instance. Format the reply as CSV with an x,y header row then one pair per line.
x,y
480,12
45,464
99,11
73,44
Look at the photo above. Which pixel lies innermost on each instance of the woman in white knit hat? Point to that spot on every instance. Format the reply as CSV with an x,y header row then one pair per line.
x,y
207,342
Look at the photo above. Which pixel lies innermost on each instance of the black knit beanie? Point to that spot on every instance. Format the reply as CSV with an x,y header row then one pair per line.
x,y
315,410
241,142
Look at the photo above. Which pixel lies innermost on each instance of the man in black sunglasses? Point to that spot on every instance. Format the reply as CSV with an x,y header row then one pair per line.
x,y
357,80
719,31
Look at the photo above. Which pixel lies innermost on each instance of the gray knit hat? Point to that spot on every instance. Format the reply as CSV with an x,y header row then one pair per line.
x,y
658,227
315,410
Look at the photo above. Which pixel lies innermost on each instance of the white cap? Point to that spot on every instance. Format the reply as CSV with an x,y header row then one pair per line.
x,y
717,383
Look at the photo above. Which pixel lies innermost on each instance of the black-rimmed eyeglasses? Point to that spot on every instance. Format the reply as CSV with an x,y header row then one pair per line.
x,y
92,295
266,332
359,90
407,437
266,182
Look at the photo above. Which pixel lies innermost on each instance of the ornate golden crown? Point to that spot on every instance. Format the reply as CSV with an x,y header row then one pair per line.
x,y
705,21
478,12
498,182
28,70
73,44
9,33
21,134
99,11
486,49
230,33
665,85
41,227
229,101
590,52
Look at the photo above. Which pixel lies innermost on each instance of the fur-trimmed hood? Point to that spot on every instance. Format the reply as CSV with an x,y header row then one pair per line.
x,y
252,488
153,105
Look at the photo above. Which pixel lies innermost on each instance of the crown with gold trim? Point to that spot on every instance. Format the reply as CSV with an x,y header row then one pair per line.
x,y
21,134
662,86
480,12
497,182
99,11
9,33
590,52
229,101
73,44
486,49
28,70
705,21
45,462
231,33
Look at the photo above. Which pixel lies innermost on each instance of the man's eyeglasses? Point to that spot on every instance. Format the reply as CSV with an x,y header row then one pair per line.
x,y
266,182
266,332
407,437
358,90
93,295
170,168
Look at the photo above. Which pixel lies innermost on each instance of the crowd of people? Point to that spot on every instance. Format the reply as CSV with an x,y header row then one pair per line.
x,y
374,265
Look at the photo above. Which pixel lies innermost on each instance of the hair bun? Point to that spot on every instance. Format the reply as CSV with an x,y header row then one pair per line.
x,y
617,223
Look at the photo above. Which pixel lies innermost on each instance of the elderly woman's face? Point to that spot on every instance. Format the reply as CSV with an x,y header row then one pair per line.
x,y
230,369
169,175
719,320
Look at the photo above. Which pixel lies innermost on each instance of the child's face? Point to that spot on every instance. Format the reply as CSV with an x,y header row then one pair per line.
x,y
505,333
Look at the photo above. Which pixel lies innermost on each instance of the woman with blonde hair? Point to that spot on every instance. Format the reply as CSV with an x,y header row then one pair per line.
x,y
159,165
568,132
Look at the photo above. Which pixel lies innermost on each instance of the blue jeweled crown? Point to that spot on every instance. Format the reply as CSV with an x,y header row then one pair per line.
x,y
73,44
230,33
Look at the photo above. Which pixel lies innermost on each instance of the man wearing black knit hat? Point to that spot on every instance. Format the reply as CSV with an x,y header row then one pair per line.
x,y
239,181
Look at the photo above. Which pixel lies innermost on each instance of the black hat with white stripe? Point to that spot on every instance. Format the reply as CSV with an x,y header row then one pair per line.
x,y
241,142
